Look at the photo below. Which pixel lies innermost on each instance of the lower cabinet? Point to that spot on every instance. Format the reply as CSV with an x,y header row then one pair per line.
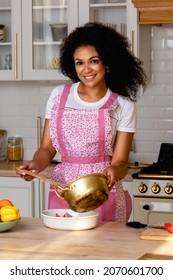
x,y
30,197
24,195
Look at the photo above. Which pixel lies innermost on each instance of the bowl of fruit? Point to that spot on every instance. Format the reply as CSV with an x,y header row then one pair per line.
x,y
67,219
9,215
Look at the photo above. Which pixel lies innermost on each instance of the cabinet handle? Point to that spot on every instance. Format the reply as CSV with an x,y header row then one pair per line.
x,y
39,132
132,41
15,56
32,199
42,196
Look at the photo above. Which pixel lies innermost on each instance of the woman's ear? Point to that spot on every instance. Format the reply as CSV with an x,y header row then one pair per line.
x,y
107,69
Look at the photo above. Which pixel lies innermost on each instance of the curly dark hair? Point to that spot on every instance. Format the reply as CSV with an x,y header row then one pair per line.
x,y
125,75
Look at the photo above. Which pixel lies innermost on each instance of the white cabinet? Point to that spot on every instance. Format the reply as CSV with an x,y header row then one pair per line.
x,y
24,195
10,44
45,23
34,47
109,12
29,47
129,187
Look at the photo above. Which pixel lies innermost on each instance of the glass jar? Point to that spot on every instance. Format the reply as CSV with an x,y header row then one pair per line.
x,y
15,149
3,144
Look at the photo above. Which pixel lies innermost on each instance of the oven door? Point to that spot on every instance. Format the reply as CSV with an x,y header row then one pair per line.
x,y
149,210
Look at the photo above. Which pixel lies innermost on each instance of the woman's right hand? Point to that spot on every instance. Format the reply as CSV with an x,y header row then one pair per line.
x,y
42,157
29,165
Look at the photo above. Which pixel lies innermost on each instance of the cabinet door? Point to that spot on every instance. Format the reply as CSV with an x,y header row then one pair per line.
x,y
44,24
10,40
110,12
24,195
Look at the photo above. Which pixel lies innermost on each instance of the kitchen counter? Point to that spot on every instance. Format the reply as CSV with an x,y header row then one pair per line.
x,y
32,240
8,169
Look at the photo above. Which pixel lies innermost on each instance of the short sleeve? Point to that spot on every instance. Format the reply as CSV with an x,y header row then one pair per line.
x,y
124,117
49,104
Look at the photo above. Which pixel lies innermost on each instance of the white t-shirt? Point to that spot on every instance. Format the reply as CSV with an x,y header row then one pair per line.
x,y
122,119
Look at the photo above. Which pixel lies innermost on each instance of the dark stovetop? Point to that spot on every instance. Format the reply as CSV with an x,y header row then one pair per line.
x,y
163,168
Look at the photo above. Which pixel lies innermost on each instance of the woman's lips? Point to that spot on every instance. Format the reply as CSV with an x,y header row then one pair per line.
x,y
89,78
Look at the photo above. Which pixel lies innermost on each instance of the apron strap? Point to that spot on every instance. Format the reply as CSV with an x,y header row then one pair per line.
x,y
63,100
110,100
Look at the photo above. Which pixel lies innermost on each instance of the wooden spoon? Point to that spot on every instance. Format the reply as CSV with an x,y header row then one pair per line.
x,y
35,175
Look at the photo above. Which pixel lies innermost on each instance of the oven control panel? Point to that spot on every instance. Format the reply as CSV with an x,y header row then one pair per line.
x,y
151,187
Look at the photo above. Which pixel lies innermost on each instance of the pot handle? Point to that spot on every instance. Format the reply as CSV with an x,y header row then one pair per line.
x,y
108,179
60,195
35,175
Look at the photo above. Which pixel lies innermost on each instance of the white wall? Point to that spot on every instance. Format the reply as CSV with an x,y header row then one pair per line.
x,y
155,108
22,102
20,105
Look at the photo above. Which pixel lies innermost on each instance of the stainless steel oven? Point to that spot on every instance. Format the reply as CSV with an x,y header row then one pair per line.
x,y
153,189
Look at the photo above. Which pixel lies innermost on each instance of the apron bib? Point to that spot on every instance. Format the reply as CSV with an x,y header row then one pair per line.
x,y
83,138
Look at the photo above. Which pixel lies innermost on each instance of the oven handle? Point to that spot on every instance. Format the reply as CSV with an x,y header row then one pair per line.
x,y
165,207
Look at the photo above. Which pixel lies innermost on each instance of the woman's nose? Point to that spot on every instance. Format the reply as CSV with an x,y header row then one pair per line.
x,y
87,69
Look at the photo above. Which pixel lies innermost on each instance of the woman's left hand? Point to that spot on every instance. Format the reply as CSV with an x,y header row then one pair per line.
x,y
118,168
112,174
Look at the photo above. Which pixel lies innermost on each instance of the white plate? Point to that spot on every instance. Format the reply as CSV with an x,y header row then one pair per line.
x,y
78,221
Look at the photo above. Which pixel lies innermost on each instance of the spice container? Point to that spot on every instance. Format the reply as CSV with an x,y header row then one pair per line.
x,y
3,144
15,149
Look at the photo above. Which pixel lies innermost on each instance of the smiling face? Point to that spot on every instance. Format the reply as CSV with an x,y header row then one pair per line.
x,y
89,67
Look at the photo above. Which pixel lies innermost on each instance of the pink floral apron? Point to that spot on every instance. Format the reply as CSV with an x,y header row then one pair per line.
x,y
83,138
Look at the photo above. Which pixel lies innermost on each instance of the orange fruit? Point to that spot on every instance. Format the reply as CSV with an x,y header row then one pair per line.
x,y
5,202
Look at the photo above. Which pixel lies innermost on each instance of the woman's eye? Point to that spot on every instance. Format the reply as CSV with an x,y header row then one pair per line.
x,y
78,63
95,61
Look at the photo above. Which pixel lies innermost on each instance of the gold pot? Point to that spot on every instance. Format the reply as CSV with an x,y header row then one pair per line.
x,y
86,193
83,194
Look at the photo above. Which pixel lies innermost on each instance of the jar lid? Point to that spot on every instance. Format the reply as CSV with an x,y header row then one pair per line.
x,y
15,140
3,132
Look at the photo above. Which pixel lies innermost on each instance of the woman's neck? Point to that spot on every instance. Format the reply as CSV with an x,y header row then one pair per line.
x,y
93,94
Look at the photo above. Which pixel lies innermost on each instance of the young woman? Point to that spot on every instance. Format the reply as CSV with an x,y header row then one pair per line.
x,y
91,121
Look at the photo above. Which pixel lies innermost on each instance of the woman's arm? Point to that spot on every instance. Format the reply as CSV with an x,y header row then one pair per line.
x,y
118,168
43,156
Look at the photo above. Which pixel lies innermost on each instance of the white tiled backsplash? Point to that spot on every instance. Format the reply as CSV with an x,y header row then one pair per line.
x,y
22,102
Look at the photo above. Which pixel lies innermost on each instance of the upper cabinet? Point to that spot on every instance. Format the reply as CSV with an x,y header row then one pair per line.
x,y
34,30
154,11
44,24
110,12
10,40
